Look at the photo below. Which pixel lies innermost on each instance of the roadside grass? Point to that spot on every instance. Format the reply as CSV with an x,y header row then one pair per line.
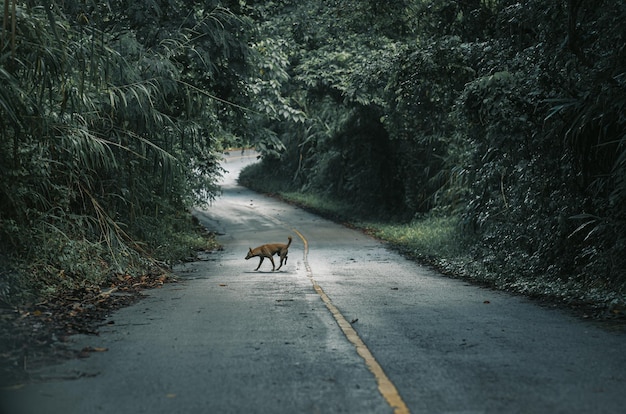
x,y
438,240
175,237
74,263
426,238
257,178
435,239
74,284
321,205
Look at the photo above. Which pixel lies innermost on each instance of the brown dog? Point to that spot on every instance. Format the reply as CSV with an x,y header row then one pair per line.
x,y
269,250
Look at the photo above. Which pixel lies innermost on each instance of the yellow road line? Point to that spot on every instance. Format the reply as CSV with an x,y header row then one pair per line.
x,y
385,386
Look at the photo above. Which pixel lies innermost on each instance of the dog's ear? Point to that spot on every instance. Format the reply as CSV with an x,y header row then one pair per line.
x,y
250,249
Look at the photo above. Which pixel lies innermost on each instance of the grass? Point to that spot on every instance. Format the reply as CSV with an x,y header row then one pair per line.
x,y
176,237
428,237
439,241
321,205
68,261
435,240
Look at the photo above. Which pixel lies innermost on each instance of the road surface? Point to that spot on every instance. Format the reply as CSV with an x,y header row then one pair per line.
x,y
346,326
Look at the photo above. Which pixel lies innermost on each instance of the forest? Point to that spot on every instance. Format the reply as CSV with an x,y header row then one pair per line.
x,y
505,120
500,124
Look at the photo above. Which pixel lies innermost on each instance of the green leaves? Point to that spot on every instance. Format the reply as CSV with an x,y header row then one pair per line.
x,y
463,108
108,115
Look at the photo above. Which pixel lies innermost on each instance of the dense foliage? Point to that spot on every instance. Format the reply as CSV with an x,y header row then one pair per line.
x,y
113,116
507,115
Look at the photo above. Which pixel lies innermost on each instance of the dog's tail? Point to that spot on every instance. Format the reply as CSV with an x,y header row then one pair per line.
x,y
289,244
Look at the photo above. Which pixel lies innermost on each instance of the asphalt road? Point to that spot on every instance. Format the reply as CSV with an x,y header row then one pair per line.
x,y
346,326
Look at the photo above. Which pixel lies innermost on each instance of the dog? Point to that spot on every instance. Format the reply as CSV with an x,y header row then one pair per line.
x,y
269,250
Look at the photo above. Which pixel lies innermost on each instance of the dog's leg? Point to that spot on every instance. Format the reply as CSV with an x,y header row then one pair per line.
x,y
273,264
283,256
261,261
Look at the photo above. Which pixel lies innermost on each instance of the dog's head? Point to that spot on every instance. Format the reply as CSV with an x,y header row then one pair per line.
x,y
250,254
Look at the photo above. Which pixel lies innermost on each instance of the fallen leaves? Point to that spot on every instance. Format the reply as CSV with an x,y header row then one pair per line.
x,y
39,332
129,283
86,351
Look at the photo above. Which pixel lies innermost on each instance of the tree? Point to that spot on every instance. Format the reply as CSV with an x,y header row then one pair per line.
x,y
506,114
112,116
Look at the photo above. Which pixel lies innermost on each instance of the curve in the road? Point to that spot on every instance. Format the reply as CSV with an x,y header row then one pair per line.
x,y
387,389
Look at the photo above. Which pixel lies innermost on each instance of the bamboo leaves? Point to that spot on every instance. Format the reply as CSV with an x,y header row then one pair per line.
x,y
92,112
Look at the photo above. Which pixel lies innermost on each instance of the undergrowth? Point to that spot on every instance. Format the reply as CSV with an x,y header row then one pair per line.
x,y
69,259
322,206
